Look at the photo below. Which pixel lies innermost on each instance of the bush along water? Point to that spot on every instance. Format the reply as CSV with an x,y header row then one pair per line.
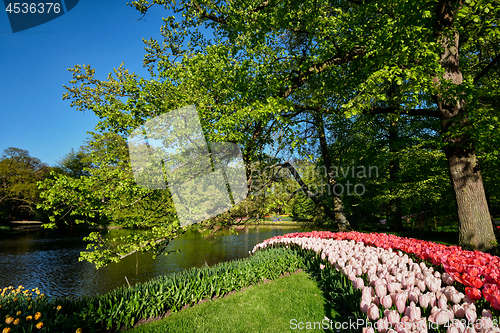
x,y
31,311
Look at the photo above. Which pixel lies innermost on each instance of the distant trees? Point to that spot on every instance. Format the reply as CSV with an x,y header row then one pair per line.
x,y
74,164
19,193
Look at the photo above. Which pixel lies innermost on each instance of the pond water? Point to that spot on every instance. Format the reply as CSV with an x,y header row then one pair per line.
x,y
48,259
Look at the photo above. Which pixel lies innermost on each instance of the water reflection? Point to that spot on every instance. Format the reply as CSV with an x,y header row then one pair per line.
x,y
48,259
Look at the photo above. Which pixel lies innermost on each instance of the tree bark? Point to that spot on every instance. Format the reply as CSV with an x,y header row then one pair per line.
x,y
394,168
305,189
475,228
340,218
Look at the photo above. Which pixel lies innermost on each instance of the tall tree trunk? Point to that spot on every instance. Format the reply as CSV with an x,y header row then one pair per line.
x,y
340,218
394,168
475,228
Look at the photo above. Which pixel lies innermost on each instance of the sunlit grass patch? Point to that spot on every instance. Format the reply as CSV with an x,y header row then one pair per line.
x,y
270,307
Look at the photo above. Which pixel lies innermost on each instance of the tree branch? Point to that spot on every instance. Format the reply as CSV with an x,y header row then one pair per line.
x,y
305,188
203,14
317,68
409,112
487,68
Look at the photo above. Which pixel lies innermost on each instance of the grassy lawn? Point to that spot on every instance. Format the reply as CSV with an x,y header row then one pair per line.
x,y
268,307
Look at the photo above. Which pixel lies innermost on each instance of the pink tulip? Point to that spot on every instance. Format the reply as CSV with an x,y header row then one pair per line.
x,y
484,323
373,313
470,329
443,302
423,300
386,301
420,325
405,325
470,306
421,285
434,310
471,315
452,329
359,283
368,290
447,279
380,290
376,300
368,330
400,303
412,312
391,288
364,306
366,297
382,325
407,311
410,282
433,285
321,266
432,299
458,324
413,296
451,315
393,317
456,297
487,314
467,299
458,310
441,317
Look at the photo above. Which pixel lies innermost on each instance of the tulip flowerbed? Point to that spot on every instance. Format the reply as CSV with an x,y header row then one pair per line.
x,y
408,285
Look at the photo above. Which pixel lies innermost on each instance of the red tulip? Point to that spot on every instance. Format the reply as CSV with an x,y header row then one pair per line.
x,y
473,293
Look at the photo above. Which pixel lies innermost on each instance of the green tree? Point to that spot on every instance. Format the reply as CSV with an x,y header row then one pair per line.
x,y
74,164
379,43
19,194
109,194
273,67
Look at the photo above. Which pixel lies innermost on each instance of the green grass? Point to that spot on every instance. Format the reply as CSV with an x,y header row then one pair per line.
x,y
266,307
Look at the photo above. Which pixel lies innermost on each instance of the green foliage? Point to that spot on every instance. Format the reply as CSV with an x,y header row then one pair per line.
x,y
259,73
74,164
19,194
363,151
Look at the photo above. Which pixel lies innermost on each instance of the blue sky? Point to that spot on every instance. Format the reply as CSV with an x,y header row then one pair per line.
x,y
33,69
